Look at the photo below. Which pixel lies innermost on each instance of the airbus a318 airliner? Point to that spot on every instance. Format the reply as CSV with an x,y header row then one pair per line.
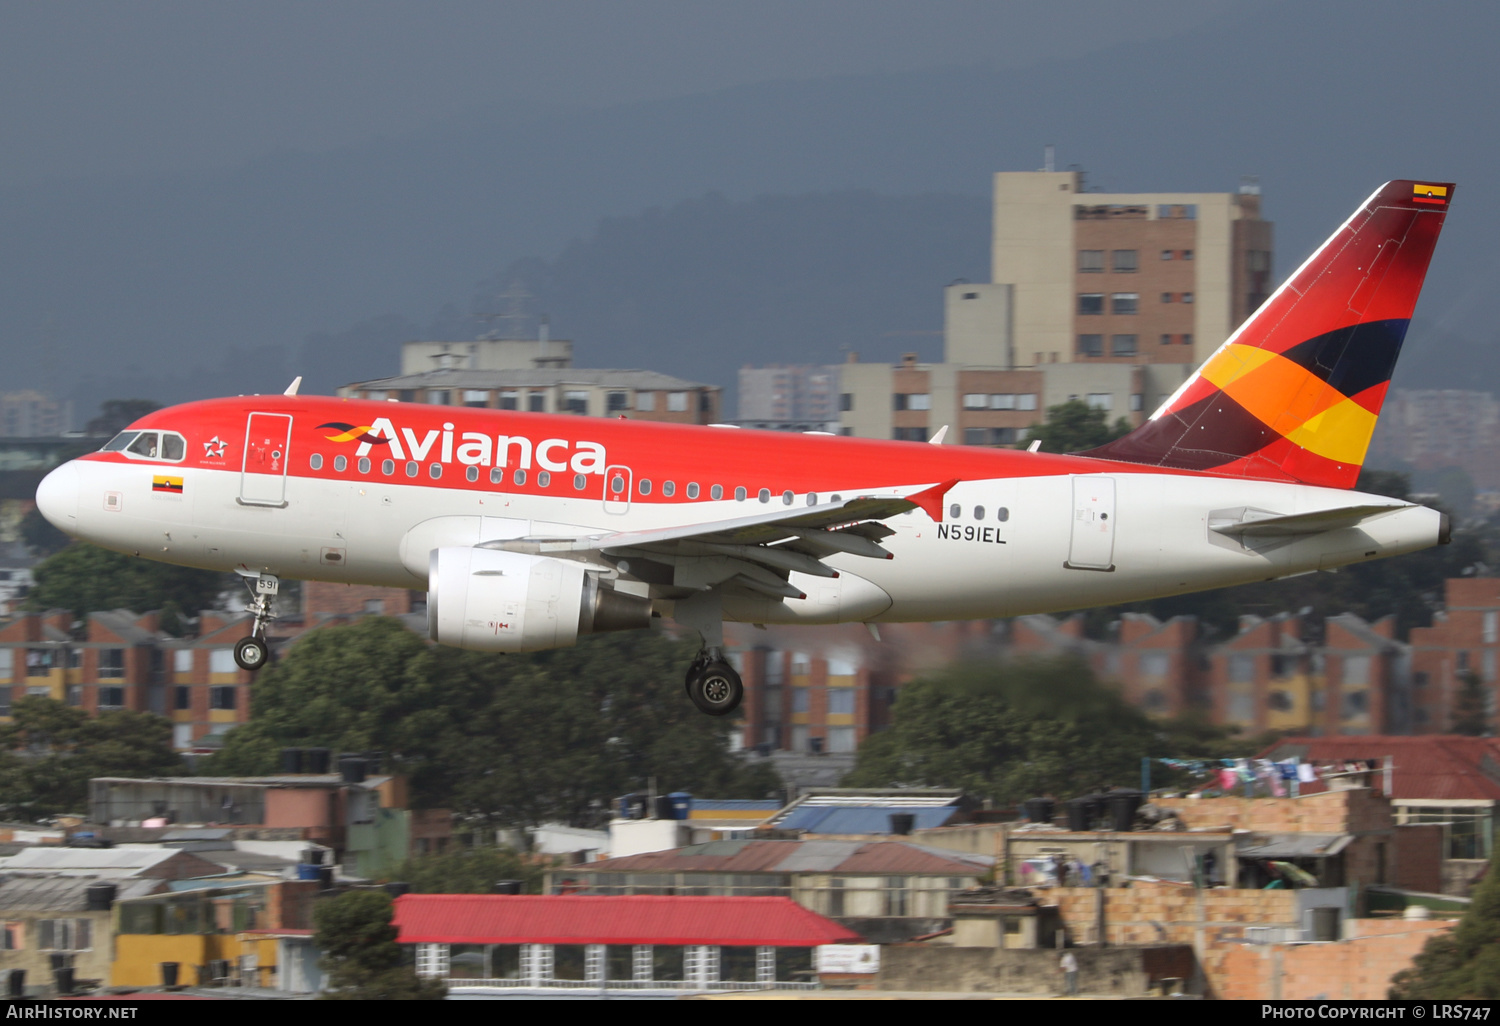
x,y
528,530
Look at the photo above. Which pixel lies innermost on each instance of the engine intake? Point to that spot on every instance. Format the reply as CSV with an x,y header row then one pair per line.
x,y
497,601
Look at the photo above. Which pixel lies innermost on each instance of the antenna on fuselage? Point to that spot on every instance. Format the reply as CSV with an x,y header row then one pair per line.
x,y
292,388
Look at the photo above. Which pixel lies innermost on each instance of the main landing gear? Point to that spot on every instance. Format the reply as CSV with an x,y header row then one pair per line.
x,y
713,685
252,653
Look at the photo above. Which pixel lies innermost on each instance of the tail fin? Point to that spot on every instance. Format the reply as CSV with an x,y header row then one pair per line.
x,y
1293,395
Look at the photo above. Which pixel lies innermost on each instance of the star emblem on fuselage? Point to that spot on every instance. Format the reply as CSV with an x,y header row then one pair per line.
x,y
214,447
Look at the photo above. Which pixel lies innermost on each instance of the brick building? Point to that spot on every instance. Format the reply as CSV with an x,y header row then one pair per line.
x,y
1463,639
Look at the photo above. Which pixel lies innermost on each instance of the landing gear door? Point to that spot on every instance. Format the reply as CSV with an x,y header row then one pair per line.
x,y
268,437
1092,546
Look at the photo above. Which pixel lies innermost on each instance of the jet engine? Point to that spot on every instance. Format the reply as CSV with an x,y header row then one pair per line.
x,y
509,602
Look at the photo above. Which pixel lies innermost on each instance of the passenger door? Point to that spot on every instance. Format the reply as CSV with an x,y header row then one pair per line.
x,y
268,439
1092,545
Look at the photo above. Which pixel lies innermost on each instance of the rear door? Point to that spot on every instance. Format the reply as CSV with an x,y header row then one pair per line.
x,y
1092,546
268,437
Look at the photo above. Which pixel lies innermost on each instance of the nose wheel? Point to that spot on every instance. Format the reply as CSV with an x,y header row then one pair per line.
x,y
252,653
713,685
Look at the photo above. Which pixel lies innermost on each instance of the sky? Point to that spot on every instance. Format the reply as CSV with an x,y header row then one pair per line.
x,y
92,89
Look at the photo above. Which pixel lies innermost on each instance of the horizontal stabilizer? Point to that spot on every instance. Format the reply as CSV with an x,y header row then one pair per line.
x,y
1259,523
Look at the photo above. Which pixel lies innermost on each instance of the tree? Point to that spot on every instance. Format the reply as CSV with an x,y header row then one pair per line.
x,y
469,871
115,415
85,578
40,536
361,956
1463,964
1471,707
1074,426
514,739
1008,733
49,752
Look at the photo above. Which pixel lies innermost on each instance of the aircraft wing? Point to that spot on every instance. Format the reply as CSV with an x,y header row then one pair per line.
x,y
755,552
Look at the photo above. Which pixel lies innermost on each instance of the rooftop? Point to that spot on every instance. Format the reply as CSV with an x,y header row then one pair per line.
x,y
1430,766
63,893
609,919
641,380
752,856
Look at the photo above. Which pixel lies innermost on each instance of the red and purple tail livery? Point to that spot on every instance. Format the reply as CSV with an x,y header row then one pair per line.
x,y
1293,395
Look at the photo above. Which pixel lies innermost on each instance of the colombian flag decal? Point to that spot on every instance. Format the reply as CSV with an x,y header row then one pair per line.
x,y
166,485
1437,195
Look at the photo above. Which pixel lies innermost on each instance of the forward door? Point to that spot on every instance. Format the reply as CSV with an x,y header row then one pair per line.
x,y
268,438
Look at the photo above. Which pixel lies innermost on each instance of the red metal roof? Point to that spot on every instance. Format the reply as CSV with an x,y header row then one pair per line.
x,y
612,919
1435,766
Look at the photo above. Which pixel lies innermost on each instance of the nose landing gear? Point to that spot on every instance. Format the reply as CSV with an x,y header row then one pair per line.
x,y
252,653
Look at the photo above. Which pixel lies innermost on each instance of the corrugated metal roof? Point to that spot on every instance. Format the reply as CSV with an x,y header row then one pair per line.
x,y
612,919
824,820
63,893
796,857
49,857
1433,766
1297,846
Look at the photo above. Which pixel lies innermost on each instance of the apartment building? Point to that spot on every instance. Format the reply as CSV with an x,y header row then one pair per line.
x,y
1111,299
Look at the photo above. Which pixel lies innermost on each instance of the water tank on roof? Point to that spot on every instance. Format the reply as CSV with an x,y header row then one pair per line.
x,y
316,760
352,770
680,804
902,823
99,897
291,760
1039,810
506,887
397,888
1122,805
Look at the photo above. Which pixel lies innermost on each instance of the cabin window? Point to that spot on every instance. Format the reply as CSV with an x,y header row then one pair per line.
x,y
496,475
668,489
434,470
740,495
955,511
543,479
364,464
519,477
786,498
1002,514
645,486
315,461
716,492
340,463
978,512
692,490
411,468
472,473
580,482
765,495
387,467
812,498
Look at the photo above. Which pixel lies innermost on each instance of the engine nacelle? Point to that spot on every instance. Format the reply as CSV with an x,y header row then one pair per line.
x,y
497,601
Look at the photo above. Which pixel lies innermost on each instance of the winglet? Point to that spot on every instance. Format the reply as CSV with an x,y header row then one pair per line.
x,y
930,500
292,388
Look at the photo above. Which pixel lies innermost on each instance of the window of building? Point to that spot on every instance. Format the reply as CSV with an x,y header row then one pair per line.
x,y
1090,345
1166,340
1419,679
1279,701
1491,627
1177,211
1168,254
1124,302
1187,254
1026,401
1241,669
616,402
1463,660
1002,401
222,697
1187,297
1125,260
1167,297
439,396
1241,707
971,295
976,436
1356,670
846,401
7,663
111,698
5,701
1187,340
976,401
800,700
1090,261
841,701
1135,402
182,660
1355,704
677,402
1123,345
182,697
909,434
841,740
221,660
1256,260
919,401
1100,400
476,397
1155,664
73,695
111,662
576,402
536,402
645,402
38,662
64,934
1090,303
1487,665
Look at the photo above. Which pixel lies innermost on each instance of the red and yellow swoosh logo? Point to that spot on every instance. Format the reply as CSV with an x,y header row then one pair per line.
x,y
351,433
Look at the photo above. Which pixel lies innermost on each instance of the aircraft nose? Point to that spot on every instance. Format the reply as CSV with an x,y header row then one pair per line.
x,y
57,498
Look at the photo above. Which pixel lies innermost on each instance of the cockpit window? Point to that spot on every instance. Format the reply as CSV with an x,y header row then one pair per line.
x,y
147,444
151,445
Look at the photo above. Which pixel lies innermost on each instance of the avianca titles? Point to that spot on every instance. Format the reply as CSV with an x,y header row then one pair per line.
x,y
529,529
